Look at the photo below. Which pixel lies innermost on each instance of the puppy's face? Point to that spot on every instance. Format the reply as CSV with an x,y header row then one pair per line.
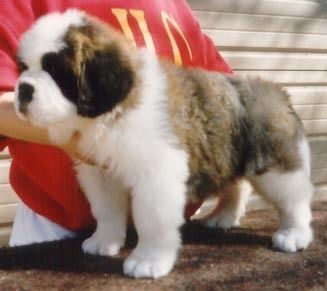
x,y
71,65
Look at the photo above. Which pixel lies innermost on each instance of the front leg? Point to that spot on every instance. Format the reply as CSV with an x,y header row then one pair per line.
x,y
158,202
108,202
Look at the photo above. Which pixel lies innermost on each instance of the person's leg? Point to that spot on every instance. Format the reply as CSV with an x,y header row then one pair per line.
x,y
30,227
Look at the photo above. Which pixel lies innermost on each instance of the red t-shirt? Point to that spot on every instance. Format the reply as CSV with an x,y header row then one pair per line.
x,y
42,176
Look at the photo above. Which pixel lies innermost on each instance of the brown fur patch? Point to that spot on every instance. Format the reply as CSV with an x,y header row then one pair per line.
x,y
230,127
115,54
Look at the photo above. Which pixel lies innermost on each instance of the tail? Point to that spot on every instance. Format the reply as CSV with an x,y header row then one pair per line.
x,y
304,151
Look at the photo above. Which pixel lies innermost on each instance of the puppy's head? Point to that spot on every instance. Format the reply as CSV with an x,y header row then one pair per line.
x,y
71,64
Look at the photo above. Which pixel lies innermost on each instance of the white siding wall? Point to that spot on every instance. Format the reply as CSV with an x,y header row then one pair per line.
x,y
8,199
284,41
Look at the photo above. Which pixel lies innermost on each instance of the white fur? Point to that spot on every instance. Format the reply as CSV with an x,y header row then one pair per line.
x,y
48,105
140,149
108,200
290,193
141,154
48,108
47,36
304,150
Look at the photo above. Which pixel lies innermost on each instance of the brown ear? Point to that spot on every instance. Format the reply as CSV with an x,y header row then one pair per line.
x,y
105,82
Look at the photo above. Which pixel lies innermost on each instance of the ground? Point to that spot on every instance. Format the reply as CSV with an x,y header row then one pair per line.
x,y
237,259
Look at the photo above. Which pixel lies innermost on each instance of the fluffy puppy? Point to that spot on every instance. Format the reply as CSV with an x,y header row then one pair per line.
x,y
165,134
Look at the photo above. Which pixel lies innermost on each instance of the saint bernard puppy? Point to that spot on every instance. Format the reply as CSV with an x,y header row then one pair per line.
x,y
161,135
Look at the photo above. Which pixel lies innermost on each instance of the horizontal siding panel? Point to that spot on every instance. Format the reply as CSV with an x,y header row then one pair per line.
x,y
315,127
7,212
314,9
290,77
238,21
228,40
4,154
5,235
318,145
311,111
320,192
4,171
7,195
308,95
276,61
319,161
319,176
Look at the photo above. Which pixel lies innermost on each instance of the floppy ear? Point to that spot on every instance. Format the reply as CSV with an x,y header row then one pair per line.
x,y
105,82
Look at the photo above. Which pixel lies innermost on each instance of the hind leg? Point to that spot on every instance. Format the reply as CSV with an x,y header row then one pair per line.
x,y
291,194
230,208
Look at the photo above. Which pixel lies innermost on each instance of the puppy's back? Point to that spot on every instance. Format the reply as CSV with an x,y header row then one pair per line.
x,y
231,126
269,126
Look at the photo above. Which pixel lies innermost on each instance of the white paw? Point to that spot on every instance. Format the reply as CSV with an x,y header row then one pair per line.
x,y
140,265
101,245
293,239
224,221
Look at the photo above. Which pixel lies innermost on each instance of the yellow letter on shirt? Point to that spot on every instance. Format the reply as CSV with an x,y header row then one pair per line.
x,y
122,14
167,20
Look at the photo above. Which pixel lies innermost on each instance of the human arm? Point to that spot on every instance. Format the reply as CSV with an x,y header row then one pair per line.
x,y
11,126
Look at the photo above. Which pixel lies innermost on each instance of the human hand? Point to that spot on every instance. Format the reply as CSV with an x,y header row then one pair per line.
x,y
72,148
12,126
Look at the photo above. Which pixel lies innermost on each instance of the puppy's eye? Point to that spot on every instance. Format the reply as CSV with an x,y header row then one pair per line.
x,y
22,66
50,63
51,69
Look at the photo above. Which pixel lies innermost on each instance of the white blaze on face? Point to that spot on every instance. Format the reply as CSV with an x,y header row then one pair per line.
x,y
47,35
47,104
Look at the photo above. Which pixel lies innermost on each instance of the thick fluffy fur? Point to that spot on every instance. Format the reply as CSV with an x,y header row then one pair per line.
x,y
161,135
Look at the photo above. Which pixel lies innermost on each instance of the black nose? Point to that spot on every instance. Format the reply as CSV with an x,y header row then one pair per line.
x,y
25,95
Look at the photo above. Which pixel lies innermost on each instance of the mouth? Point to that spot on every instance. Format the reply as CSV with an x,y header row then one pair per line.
x,y
20,109
22,116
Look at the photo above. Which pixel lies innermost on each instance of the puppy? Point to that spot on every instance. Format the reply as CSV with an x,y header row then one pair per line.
x,y
161,135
